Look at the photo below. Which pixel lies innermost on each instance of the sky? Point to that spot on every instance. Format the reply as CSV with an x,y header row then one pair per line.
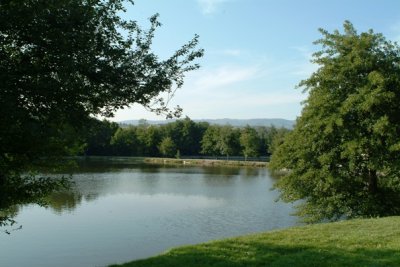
x,y
256,51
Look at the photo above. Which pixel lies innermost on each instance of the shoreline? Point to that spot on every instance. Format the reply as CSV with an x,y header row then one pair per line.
x,y
206,162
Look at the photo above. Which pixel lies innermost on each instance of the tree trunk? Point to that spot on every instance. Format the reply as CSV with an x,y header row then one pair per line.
x,y
372,182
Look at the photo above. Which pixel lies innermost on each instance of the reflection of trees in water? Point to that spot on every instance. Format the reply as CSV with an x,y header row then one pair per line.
x,y
64,201
217,176
20,189
146,168
90,188
35,189
6,219
112,164
228,175
95,179
222,171
71,199
59,202
232,171
11,211
68,201
250,172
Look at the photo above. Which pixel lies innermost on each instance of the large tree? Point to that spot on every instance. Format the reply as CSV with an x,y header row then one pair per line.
x,y
250,142
342,159
167,147
63,61
209,141
228,141
125,142
98,137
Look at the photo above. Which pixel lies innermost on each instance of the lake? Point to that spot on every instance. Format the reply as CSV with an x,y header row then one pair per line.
x,y
120,209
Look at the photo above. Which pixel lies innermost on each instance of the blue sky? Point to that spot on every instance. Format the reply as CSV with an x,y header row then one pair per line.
x,y
256,51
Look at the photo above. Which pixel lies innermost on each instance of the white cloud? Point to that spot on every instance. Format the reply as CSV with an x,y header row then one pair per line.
x,y
210,6
304,51
303,67
223,76
261,89
245,103
237,92
232,52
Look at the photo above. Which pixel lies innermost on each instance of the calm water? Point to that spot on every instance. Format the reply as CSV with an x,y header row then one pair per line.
x,y
121,210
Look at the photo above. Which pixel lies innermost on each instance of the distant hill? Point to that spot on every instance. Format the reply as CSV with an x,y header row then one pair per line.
x,y
233,122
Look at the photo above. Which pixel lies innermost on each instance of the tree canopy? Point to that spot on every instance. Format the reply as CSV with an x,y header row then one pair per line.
x,y
63,61
342,158
250,142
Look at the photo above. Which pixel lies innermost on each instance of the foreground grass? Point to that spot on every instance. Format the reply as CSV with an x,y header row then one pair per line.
x,y
369,242
205,162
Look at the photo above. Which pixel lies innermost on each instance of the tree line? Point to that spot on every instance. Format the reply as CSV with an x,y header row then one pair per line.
x,y
179,138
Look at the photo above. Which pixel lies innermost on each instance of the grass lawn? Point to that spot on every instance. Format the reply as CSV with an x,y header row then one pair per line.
x,y
368,242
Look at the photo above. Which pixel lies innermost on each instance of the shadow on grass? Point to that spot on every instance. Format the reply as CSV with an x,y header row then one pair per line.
x,y
262,254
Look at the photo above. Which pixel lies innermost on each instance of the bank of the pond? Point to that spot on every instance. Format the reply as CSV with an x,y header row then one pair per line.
x,y
367,242
205,162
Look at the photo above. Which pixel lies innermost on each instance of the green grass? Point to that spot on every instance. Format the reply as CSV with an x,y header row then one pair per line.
x,y
368,242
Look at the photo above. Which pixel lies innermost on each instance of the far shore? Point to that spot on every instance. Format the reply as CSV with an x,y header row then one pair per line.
x,y
206,162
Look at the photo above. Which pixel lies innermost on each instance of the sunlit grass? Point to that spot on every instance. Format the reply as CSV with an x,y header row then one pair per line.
x,y
369,242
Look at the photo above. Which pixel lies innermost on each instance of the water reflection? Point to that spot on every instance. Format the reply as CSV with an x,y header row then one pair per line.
x,y
223,171
121,210
64,201
97,177
108,164
61,202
